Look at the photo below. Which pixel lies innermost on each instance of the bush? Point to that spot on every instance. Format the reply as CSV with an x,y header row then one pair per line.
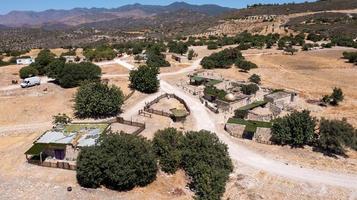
x,y
28,71
167,147
121,162
100,53
296,129
61,119
314,37
245,65
55,68
73,74
145,79
98,100
334,135
43,59
255,79
249,89
89,167
336,96
177,47
191,54
212,46
350,56
206,160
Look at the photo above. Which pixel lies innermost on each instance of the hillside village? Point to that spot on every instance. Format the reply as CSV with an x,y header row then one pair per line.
x,y
251,108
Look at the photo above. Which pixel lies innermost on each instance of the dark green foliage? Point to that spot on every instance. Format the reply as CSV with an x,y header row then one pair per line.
x,y
129,161
344,41
206,160
296,129
212,91
350,56
245,65
73,74
155,58
28,71
97,100
61,119
212,45
137,49
121,162
307,46
336,96
44,58
241,114
167,147
55,68
255,78
249,89
191,54
334,135
100,53
89,167
314,37
222,59
69,53
290,49
177,47
145,79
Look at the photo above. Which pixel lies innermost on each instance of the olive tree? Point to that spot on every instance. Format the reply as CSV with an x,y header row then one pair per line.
x,y
144,79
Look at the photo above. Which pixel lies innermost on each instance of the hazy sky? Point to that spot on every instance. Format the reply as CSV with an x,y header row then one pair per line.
x,y
38,5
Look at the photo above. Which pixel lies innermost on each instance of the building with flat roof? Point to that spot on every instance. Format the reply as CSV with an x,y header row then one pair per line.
x,y
24,61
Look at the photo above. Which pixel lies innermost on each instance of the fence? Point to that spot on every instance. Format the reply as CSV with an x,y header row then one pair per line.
x,y
163,113
141,126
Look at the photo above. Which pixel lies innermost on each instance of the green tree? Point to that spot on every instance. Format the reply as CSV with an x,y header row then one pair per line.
x,y
245,65
89,167
43,59
190,54
98,100
222,59
55,68
249,89
73,74
145,79
206,160
212,45
129,161
28,71
295,129
255,79
167,147
290,49
334,135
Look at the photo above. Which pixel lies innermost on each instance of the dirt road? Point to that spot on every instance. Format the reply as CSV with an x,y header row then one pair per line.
x,y
204,120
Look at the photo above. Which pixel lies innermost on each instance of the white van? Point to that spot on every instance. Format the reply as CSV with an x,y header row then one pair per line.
x,y
32,81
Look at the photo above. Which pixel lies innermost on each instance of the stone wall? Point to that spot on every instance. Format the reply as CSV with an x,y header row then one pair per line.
x,y
262,135
235,130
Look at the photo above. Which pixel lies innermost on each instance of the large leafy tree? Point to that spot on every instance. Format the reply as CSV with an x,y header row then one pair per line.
x,y
89,167
206,160
73,74
222,59
145,79
296,129
167,147
129,161
43,59
55,68
334,135
245,65
98,100
249,89
28,71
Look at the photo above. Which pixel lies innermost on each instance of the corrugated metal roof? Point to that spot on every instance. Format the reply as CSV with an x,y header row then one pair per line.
x,y
57,137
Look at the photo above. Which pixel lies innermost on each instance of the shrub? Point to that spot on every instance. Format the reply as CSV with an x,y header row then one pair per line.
x,y
249,89
290,49
212,46
167,147
61,119
255,79
191,54
55,68
129,161
245,65
314,37
336,96
73,74
89,167
177,47
350,56
100,53
28,71
98,100
144,79
334,135
295,129
206,160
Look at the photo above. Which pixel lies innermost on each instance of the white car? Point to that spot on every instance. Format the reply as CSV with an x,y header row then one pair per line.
x,y
32,81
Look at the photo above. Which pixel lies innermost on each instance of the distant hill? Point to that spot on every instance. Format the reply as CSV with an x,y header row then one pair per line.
x,y
285,9
78,16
